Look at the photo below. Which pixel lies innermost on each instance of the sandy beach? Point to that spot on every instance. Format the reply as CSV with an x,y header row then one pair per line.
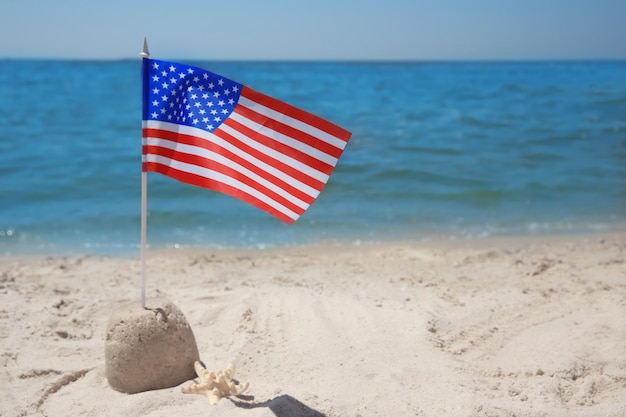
x,y
493,327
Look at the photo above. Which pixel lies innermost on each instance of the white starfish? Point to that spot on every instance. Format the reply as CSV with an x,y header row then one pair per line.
x,y
215,385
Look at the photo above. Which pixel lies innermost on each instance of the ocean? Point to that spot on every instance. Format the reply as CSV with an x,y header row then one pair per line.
x,y
448,150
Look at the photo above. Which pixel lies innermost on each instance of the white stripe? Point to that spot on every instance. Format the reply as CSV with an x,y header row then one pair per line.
x,y
297,165
219,177
220,159
295,123
284,139
294,163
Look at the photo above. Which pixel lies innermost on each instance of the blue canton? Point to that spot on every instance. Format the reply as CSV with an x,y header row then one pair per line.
x,y
188,95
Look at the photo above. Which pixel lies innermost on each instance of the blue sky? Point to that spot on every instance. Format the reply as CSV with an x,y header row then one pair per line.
x,y
322,29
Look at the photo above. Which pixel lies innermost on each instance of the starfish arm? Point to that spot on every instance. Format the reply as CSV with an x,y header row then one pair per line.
x,y
215,385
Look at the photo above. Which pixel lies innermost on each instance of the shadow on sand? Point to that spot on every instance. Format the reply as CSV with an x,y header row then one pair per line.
x,y
282,406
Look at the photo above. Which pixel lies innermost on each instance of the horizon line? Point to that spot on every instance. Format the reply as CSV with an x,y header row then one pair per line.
x,y
321,60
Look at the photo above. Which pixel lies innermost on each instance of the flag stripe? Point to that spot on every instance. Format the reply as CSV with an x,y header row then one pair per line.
x,y
310,162
294,176
197,156
247,136
224,149
275,163
285,134
207,178
189,163
316,125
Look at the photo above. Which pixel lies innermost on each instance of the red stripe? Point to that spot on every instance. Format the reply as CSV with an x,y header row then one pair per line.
x,y
279,147
296,113
200,181
222,169
281,166
292,132
211,146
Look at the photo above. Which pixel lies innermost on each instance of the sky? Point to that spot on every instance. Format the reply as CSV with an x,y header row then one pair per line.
x,y
317,30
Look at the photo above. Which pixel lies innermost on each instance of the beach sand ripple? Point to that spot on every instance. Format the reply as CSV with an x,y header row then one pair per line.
x,y
508,327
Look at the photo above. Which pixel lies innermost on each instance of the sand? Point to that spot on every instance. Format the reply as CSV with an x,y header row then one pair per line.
x,y
494,327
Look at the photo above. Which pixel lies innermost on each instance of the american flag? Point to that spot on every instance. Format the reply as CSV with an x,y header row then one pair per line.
x,y
204,129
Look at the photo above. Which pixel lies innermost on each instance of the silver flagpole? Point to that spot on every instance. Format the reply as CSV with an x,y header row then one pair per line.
x,y
144,199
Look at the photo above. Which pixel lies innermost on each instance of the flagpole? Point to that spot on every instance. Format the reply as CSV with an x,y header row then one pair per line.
x,y
144,200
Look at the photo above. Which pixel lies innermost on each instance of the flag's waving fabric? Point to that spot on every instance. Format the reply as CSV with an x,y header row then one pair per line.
x,y
204,129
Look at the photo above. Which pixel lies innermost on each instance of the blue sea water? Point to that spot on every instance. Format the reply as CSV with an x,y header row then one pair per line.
x,y
439,149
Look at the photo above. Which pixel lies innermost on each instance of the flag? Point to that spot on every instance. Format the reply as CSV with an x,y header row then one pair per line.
x,y
207,130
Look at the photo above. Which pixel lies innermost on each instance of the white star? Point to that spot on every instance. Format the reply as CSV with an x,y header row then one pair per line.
x,y
195,121
155,91
155,103
155,65
154,115
197,104
155,78
231,101
196,79
235,88
164,73
205,96
221,82
213,112
221,103
190,70
211,86
205,76
165,85
202,111
210,127
224,111
194,96
173,80
216,94
172,68
227,92
205,119
164,97
217,119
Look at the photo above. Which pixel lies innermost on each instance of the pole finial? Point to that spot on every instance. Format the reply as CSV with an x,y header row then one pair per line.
x,y
144,52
